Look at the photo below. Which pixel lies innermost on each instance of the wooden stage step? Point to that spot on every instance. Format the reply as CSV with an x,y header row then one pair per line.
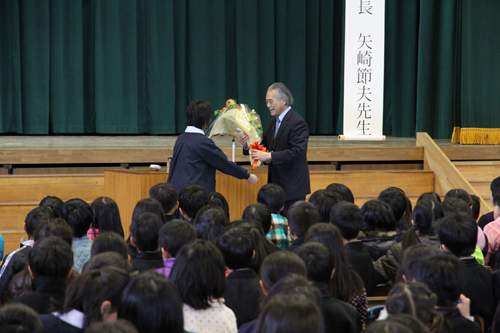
x,y
480,174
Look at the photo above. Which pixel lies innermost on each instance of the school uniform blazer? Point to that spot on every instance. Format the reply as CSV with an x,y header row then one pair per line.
x,y
195,160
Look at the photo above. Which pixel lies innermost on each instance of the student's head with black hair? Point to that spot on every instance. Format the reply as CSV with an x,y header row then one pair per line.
x,y
198,114
460,194
96,293
107,259
455,206
106,216
259,239
210,222
348,218
152,304
148,205
278,265
412,255
217,199
35,218
476,206
237,248
109,242
174,235
496,204
144,232
53,203
387,326
191,199
56,227
119,326
342,190
406,321
425,214
301,216
319,262
19,318
431,196
167,195
273,196
443,273
495,187
324,200
290,313
52,257
199,274
294,284
260,213
377,216
396,199
457,234
78,214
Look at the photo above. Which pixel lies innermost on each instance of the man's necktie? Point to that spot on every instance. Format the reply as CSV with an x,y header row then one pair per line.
x,y
277,126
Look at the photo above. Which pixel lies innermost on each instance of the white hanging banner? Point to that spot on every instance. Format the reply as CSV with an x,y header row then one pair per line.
x,y
364,70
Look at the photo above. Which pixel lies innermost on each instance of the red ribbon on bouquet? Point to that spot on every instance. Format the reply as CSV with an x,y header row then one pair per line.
x,y
256,146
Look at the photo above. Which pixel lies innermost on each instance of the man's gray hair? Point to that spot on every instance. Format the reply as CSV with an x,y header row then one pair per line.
x,y
283,92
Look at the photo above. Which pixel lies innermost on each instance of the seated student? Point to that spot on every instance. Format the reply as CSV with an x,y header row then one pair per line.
x,y
167,195
106,259
301,216
488,217
19,318
110,242
379,229
278,265
444,275
152,304
217,199
348,218
431,196
15,261
398,201
457,234
199,274
91,297
345,285
324,200
53,203
243,293
106,218
191,199
210,222
273,196
144,236
338,316
492,230
171,238
262,214
426,212
78,214
342,190
50,264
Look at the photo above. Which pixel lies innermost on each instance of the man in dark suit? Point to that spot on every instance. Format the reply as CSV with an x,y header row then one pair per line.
x,y
286,141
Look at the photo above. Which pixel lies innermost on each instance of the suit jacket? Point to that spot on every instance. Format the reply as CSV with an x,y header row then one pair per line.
x,y
289,168
195,160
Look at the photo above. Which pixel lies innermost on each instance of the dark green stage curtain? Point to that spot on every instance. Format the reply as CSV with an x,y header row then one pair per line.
x,y
132,66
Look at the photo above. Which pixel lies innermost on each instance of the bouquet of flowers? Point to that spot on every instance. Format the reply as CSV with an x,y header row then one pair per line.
x,y
234,120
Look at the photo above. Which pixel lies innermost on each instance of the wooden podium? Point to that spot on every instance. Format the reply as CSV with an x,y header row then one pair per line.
x,y
128,186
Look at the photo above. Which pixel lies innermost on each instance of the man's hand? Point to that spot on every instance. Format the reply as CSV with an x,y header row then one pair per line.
x,y
252,179
243,139
261,155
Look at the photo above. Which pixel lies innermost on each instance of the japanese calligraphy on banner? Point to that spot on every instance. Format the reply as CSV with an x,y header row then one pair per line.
x,y
364,70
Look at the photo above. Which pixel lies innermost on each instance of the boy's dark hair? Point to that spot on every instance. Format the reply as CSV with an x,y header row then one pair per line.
x,y
36,217
430,195
57,227
387,327
106,216
217,199
199,273
53,203
78,214
237,248
348,218
378,216
19,318
109,242
319,261
210,222
412,255
294,284
342,190
273,196
192,198
301,216
496,199
198,114
324,200
278,265
460,194
166,194
396,199
425,213
107,259
443,273
175,234
148,205
260,213
401,323
144,232
455,206
259,240
50,257
458,232
119,326
495,186
476,206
